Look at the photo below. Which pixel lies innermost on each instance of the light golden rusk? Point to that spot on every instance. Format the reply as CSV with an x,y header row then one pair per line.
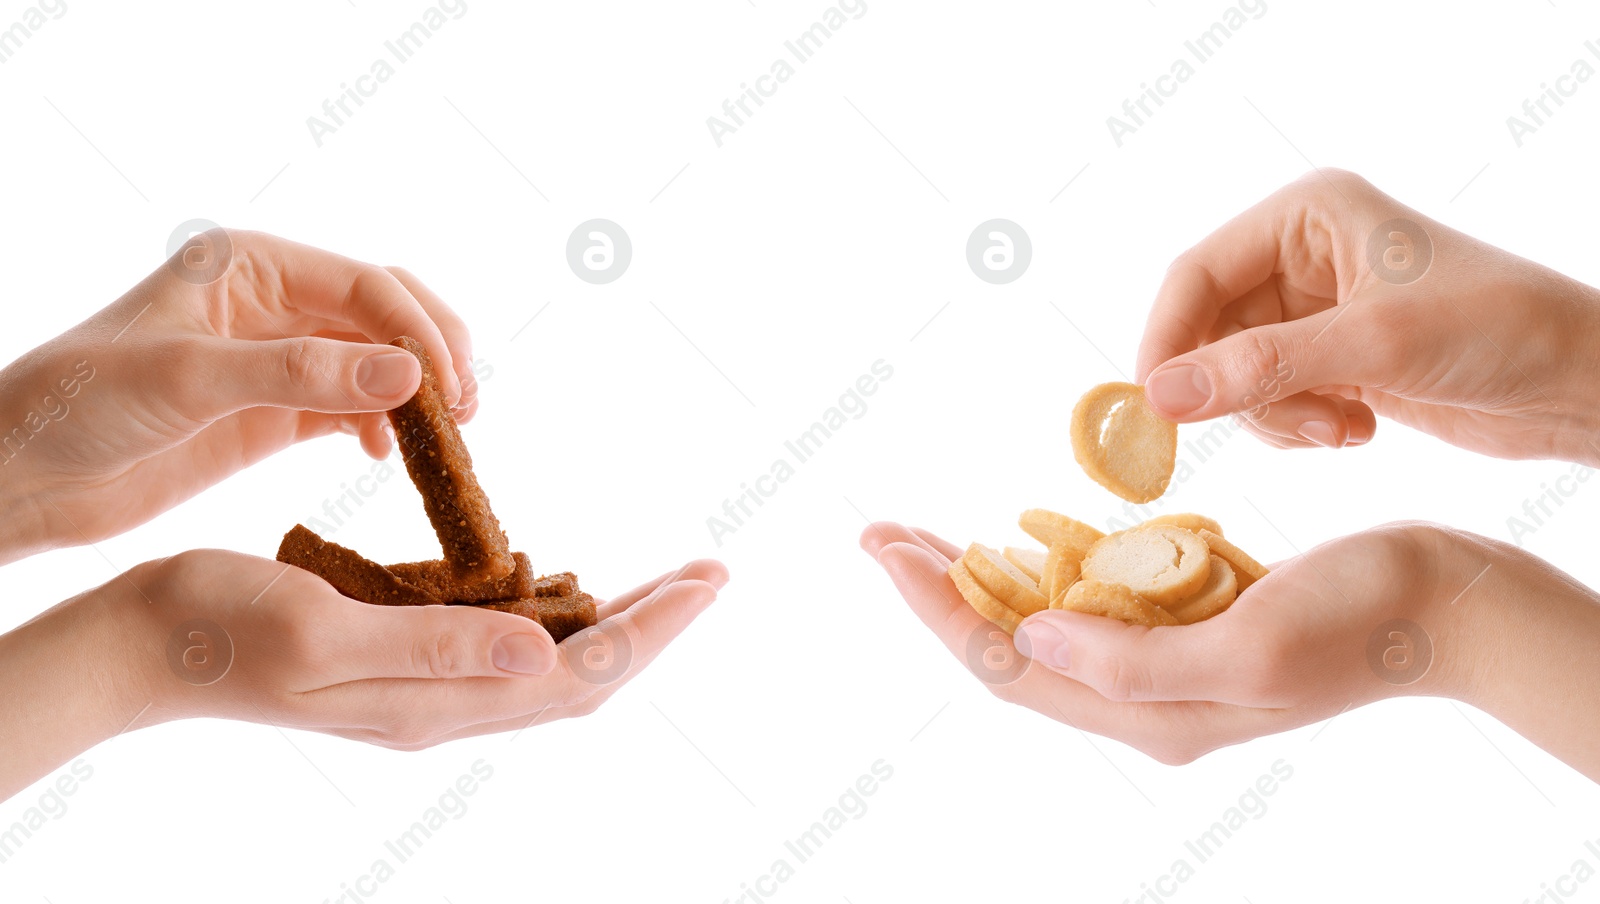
x,y
1185,520
1115,601
1162,564
981,600
1063,564
1004,580
1246,569
1171,570
1030,561
1218,594
1122,444
1051,528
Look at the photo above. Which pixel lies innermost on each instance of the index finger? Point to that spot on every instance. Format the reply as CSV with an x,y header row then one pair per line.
x,y
1242,254
343,292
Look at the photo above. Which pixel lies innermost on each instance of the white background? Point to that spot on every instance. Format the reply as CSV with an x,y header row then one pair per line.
x,y
767,276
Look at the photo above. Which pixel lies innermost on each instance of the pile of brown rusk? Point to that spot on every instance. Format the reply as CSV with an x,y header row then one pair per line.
x,y
1170,570
478,568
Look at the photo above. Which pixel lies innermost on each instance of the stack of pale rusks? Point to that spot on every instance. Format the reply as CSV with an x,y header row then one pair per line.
x,y
1170,570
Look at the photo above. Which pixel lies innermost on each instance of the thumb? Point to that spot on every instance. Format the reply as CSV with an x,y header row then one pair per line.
x,y
304,374
442,642
1262,364
1130,663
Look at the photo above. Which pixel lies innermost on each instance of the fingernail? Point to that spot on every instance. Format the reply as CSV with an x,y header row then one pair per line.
x,y
1178,390
524,654
1319,432
387,374
1043,644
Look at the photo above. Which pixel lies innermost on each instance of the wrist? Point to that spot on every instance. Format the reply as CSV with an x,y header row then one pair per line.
x,y
71,684
1468,590
1525,641
1573,350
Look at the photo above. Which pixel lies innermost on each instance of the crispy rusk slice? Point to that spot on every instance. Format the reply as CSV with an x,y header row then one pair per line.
x,y
441,467
1051,528
1115,601
1006,581
445,581
1122,444
982,601
1187,521
1161,564
350,573
1063,564
562,616
1246,569
1221,589
1029,561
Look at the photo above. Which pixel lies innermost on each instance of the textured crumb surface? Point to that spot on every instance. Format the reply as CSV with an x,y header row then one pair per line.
x,y
437,459
350,573
1122,444
452,585
1162,564
562,616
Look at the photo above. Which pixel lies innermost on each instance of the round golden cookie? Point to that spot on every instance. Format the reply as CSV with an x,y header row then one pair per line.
x,y
1245,568
1221,589
982,601
1051,528
1004,580
1187,521
1122,444
1161,564
1115,601
1029,561
1063,565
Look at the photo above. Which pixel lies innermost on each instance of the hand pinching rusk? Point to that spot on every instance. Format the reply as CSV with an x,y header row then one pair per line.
x,y
474,546
350,573
440,466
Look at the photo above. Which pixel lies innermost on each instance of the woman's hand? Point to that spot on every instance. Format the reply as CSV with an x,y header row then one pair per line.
x,y
224,635
1405,609
1330,301
239,346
